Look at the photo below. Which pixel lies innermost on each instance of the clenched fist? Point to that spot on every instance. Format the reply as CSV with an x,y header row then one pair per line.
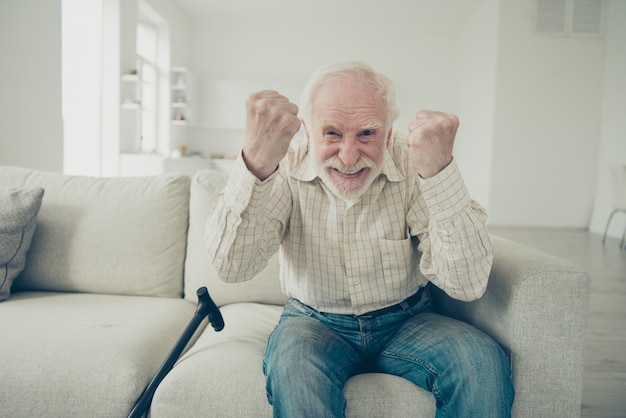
x,y
271,123
430,141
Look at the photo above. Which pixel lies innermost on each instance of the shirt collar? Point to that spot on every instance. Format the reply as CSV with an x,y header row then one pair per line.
x,y
304,169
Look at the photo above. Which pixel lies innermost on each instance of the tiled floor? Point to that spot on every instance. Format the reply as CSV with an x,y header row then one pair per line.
x,y
604,385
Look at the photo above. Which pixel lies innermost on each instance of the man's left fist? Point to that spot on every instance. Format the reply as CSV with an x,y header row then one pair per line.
x,y
430,141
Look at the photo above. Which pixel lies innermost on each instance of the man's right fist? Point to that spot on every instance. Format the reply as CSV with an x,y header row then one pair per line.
x,y
271,123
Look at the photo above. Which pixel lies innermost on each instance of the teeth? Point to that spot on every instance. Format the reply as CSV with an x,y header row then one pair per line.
x,y
350,173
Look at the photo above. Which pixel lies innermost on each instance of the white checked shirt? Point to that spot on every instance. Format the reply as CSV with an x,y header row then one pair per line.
x,y
352,257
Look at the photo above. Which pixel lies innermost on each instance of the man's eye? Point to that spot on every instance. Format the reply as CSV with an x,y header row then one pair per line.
x,y
333,135
367,135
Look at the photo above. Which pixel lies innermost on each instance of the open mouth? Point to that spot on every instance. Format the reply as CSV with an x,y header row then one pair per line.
x,y
349,173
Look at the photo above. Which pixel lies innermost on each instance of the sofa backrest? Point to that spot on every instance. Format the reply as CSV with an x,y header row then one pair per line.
x,y
263,288
106,235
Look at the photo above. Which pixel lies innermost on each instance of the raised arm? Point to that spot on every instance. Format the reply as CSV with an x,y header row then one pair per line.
x,y
250,215
456,253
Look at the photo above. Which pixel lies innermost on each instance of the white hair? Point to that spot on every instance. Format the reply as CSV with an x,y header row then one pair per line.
x,y
355,71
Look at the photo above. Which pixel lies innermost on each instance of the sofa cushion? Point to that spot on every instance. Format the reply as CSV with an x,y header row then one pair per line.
x,y
223,373
83,355
106,235
18,220
263,288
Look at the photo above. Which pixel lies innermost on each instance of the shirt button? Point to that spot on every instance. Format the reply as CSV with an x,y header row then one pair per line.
x,y
357,283
452,249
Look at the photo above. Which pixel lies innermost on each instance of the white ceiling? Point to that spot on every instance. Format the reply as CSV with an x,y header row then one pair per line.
x,y
445,13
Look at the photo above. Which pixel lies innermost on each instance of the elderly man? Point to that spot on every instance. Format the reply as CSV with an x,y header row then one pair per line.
x,y
365,225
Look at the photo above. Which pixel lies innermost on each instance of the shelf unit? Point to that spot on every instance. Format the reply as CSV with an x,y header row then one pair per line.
x,y
181,108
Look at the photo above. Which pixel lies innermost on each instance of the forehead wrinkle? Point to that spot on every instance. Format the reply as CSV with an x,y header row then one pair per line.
x,y
347,100
348,106
359,127
335,118
347,109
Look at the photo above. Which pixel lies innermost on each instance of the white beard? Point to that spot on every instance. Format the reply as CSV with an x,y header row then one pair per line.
x,y
346,189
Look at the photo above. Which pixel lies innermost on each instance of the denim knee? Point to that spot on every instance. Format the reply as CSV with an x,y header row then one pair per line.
x,y
305,369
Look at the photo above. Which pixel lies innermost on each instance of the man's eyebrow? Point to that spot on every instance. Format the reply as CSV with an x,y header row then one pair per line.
x,y
372,126
329,125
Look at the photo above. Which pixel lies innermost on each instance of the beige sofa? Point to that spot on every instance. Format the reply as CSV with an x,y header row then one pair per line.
x,y
110,281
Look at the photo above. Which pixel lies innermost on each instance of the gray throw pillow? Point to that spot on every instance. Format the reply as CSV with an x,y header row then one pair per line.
x,y
18,219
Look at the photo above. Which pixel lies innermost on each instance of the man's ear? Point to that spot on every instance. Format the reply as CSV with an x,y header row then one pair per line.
x,y
389,136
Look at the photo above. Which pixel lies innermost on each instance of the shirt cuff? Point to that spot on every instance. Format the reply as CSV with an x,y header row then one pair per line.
x,y
445,194
244,191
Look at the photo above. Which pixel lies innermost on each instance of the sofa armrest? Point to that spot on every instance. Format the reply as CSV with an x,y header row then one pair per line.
x,y
536,307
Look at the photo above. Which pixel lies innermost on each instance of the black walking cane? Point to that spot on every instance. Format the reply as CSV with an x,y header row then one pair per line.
x,y
206,307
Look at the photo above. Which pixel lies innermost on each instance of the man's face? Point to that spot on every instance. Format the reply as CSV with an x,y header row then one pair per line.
x,y
349,137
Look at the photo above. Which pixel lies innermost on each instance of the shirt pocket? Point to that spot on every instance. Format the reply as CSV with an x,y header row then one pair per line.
x,y
397,259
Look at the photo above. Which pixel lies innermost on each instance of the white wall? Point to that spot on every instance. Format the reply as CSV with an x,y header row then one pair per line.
x,y
613,123
81,86
477,93
179,31
31,132
541,117
282,55
547,124
529,104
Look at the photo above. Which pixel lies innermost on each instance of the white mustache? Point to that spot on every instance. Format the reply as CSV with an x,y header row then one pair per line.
x,y
336,164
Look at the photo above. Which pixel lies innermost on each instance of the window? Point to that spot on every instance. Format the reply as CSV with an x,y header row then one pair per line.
x,y
153,62
115,100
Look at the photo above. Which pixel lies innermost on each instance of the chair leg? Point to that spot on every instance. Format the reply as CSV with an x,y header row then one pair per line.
x,y
606,228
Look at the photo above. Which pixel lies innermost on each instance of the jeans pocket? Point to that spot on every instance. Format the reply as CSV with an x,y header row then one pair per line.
x,y
423,304
296,308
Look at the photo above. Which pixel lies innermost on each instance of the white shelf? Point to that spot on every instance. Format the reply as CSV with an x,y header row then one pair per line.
x,y
131,105
133,78
131,91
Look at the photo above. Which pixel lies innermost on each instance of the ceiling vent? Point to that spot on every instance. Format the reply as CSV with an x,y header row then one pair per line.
x,y
583,18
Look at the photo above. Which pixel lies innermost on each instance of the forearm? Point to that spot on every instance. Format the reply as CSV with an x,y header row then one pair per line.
x,y
243,230
455,247
457,257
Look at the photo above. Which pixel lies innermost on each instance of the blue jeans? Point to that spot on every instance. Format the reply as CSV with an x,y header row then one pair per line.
x,y
311,355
